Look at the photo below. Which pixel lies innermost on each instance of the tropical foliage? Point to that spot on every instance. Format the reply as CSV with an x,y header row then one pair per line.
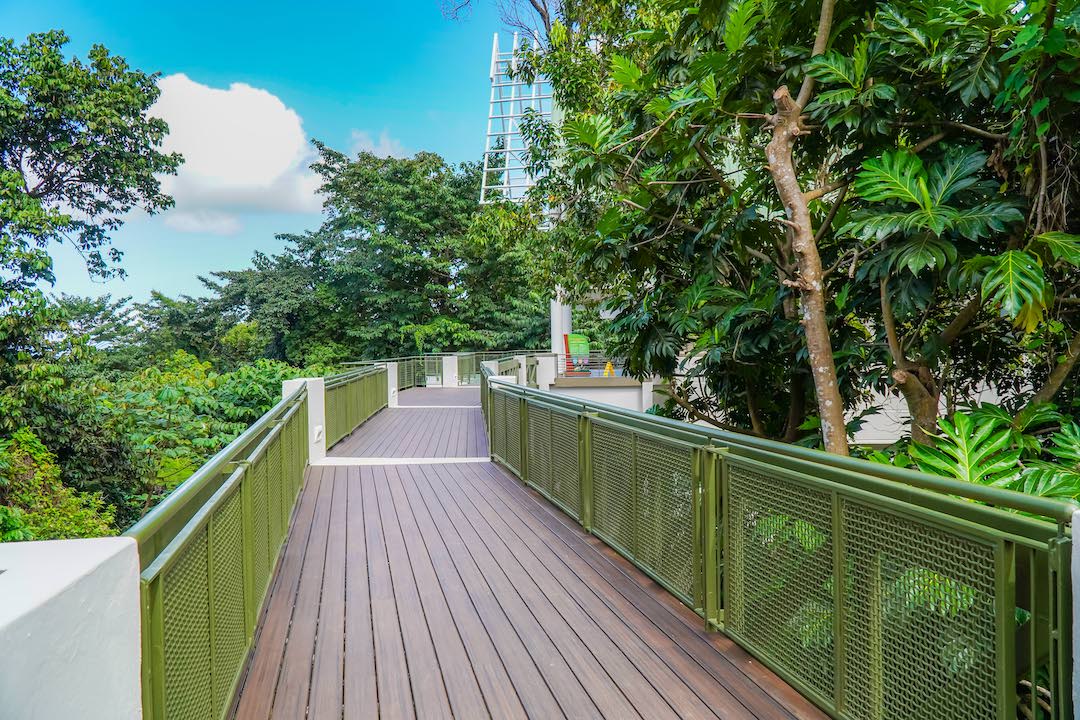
x,y
796,210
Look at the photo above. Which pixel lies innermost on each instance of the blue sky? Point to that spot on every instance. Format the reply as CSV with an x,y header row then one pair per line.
x,y
247,83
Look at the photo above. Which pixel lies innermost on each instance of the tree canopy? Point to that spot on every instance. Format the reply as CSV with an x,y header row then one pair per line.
x,y
903,219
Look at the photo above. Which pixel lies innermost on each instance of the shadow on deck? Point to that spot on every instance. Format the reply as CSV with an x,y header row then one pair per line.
x,y
448,589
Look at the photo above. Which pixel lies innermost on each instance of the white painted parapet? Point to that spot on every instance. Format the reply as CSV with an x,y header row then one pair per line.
x,y
450,371
391,384
522,370
316,413
546,371
69,630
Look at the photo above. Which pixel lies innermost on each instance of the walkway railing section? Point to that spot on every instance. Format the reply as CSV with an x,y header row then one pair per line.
x,y
878,592
352,398
208,552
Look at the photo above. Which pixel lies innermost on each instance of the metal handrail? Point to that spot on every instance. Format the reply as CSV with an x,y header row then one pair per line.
x,y
157,528
1060,511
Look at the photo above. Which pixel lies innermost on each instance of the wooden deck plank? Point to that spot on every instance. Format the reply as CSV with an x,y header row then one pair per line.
x,y
430,693
452,590
361,698
459,677
533,691
264,666
417,432
577,645
392,668
327,670
622,644
291,697
500,695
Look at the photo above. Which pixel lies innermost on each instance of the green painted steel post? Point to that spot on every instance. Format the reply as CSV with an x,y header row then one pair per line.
x,y
585,470
246,522
1061,588
839,584
710,555
157,650
523,439
1005,627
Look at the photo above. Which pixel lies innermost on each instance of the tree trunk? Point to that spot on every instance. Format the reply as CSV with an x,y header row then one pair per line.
x,y
1058,376
810,281
921,394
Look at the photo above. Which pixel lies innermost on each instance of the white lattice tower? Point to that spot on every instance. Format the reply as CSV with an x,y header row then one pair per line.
x,y
506,176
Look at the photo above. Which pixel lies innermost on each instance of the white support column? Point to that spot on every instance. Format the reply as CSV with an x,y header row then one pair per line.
x,y
646,395
523,370
316,390
391,385
561,324
546,371
449,371
69,627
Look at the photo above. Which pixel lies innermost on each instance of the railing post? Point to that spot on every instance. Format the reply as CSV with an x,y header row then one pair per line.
x,y
546,371
316,414
391,384
449,371
585,470
522,370
710,555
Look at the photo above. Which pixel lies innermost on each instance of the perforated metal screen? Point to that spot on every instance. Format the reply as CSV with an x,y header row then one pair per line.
x,y
204,596
644,504
552,458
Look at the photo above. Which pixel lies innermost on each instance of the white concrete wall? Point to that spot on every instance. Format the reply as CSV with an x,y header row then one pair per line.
x,y
450,371
629,397
69,630
316,413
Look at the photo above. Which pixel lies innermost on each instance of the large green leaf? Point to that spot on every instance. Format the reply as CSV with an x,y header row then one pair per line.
x,y
740,24
957,171
977,453
896,175
924,251
1016,282
1062,246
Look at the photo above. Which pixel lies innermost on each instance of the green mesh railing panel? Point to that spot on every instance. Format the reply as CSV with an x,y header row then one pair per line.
x,y
779,590
565,465
188,688
228,612
260,526
919,615
498,424
351,401
613,486
539,449
513,434
665,514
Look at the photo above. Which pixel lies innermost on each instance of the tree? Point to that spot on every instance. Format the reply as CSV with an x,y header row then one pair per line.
x,y
77,151
404,262
903,222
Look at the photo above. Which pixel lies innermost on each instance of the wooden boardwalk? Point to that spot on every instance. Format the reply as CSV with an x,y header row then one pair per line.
x,y
449,590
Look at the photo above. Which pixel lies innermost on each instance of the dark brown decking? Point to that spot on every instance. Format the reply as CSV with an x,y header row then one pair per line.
x,y
450,590
418,432
440,397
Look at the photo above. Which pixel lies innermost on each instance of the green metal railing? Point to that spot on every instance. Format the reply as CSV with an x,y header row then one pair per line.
x,y
352,398
878,592
208,552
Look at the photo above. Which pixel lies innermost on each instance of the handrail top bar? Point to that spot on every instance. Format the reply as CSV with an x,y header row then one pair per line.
x,y
175,501
1059,511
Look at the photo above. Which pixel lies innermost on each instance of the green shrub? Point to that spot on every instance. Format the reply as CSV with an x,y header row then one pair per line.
x,y
35,504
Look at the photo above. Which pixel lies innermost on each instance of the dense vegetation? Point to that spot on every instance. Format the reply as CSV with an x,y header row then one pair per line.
x,y
107,404
799,209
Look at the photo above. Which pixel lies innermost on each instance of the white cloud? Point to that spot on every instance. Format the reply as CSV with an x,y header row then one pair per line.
x,y
386,146
244,151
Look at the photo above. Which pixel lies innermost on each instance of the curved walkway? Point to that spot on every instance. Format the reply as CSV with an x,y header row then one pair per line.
x,y
442,590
